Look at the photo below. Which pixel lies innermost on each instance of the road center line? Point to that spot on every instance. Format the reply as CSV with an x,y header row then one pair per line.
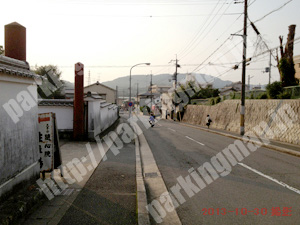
x,y
171,129
195,140
270,178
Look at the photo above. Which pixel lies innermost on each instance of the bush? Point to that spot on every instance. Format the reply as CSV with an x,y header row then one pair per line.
x,y
212,101
142,108
263,96
232,95
274,89
217,100
284,95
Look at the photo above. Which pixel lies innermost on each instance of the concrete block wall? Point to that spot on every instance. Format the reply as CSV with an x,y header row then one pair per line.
x,y
226,116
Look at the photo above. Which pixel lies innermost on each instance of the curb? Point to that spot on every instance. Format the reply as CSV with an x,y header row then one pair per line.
x,y
141,196
272,147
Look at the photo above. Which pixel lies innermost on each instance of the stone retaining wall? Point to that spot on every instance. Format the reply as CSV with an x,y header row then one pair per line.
x,y
226,116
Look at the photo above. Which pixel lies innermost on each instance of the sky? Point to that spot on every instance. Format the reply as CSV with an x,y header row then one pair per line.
x,y
109,37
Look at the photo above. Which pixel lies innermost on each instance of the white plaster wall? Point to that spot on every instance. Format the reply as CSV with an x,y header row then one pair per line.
x,y
110,115
104,118
94,118
100,118
18,141
64,115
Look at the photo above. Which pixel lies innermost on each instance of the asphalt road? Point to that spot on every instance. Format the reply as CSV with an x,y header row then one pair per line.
x,y
263,181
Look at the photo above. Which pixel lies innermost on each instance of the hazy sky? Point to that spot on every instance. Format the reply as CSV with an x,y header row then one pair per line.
x,y
111,36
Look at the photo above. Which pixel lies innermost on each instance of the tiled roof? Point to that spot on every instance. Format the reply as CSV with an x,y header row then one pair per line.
x,y
98,83
56,102
149,94
16,67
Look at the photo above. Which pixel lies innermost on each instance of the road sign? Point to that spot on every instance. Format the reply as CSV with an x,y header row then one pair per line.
x,y
130,104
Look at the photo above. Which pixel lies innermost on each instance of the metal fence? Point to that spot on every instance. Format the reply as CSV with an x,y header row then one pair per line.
x,y
294,91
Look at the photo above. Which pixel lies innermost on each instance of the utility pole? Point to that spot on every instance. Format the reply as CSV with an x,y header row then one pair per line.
x,y
117,95
175,84
176,63
242,123
137,94
270,65
270,62
151,90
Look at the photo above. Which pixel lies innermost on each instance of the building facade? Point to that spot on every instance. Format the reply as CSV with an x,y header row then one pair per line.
x,y
297,66
107,93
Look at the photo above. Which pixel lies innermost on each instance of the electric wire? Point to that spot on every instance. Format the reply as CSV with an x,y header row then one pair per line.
x,y
199,41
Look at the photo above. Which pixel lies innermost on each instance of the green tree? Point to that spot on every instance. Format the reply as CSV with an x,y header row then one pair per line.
x,y
274,89
263,96
232,95
207,92
1,50
52,86
218,100
287,72
286,62
43,70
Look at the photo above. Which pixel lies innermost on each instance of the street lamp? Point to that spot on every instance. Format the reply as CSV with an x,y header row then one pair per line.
x,y
148,64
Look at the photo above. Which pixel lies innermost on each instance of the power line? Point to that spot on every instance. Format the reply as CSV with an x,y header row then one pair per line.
x,y
275,10
197,68
263,17
219,36
251,3
197,33
210,55
122,3
199,41
144,16
296,41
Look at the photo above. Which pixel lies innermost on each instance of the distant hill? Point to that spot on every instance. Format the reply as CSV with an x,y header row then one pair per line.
x,y
161,80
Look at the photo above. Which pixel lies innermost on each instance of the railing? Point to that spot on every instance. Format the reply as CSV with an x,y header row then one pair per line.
x,y
294,91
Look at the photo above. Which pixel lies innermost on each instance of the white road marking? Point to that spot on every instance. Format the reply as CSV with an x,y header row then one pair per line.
x,y
271,178
195,140
172,129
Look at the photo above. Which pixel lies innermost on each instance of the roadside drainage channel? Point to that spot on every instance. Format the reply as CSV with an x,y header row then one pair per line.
x,y
143,215
148,176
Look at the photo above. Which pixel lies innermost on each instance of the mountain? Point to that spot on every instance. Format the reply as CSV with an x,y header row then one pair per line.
x,y
204,79
143,82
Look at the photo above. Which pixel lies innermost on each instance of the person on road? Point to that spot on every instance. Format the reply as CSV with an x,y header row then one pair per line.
x,y
208,121
152,119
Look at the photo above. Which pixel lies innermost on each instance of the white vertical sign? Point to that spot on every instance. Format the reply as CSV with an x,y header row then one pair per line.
x,y
46,142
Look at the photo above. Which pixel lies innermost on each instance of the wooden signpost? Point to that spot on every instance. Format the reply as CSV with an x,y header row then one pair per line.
x,y
50,157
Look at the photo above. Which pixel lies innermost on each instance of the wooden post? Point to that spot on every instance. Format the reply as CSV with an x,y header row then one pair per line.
x,y
78,121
